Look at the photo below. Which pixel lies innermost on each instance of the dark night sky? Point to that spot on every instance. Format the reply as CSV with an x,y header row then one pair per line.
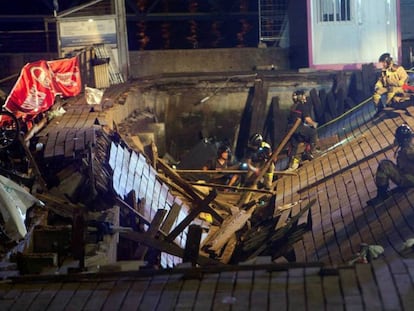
x,y
156,34
35,7
45,7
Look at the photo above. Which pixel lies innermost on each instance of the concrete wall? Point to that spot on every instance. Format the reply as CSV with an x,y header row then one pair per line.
x,y
148,63
13,63
176,103
172,84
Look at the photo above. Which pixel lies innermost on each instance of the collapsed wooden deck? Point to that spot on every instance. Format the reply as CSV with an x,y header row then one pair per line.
x,y
329,193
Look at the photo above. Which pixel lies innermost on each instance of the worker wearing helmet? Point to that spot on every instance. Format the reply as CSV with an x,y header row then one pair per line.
x,y
306,132
400,173
390,83
258,153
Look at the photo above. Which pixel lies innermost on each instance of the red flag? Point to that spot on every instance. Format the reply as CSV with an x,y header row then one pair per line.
x,y
66,76
33,92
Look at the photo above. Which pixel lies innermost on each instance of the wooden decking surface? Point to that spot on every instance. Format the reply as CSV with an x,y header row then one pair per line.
x,y
341,181
381,285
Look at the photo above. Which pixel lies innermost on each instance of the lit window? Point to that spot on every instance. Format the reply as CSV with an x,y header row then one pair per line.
x,y
334,10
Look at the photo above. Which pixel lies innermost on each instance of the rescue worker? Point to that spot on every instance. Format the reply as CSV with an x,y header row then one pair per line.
x,y
306,132
257,155
401,173
390,83
222,162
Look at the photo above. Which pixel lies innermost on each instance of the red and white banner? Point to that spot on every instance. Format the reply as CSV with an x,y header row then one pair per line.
x,y
38,84
33,92
66,76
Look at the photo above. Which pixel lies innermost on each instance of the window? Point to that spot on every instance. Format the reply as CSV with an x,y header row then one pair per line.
x,y
334,10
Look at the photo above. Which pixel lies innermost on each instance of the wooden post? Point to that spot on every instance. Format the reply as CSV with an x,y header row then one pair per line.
x,y
202,207
78,236
152,231
192,245
276,152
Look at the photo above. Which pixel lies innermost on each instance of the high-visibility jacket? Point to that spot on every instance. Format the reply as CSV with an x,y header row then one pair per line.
x,y
392,77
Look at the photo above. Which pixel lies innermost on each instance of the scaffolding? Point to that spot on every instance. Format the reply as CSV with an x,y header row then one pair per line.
x,y
272,21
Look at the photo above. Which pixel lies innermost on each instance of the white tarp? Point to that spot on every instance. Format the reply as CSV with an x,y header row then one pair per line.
x,y
14,202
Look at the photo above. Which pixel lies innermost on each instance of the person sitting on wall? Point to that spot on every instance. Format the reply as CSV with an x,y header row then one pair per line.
x,y
306,132
389,86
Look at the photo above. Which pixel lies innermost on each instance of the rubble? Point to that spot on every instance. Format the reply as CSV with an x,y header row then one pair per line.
x,y
108,197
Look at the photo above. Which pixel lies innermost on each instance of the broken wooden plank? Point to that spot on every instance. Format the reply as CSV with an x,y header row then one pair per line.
x,y
60,143
192,245
258,105
70,143
229,172
171,218
283,219
277,151
229,248
229,226
165,246
152,231
212,185
189,189
202,207
136,213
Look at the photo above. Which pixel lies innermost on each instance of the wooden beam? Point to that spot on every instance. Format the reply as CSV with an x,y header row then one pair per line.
x,y
189,189
192,245
136,213
229,172
277,151
165,246
219,203
171,218
228,228
152,231
202,207
38,174
230,187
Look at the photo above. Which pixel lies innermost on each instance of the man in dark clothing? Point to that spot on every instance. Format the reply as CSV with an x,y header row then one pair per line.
x,y
306,132
401,173
222,162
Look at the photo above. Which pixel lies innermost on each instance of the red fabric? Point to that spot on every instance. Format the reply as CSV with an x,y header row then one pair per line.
x,y
66,76
38,84
407,87
33,92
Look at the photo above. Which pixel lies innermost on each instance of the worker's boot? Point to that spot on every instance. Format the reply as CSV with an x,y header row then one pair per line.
x,y
382,195
381,105
379,108
294,164
307,155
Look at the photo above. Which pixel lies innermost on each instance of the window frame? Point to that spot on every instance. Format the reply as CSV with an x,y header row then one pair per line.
x,y
335,11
